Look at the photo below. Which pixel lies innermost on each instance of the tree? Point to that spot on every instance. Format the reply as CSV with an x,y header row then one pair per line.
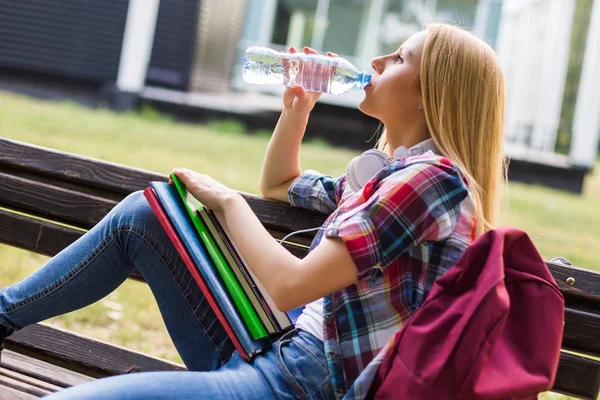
x,y
579,32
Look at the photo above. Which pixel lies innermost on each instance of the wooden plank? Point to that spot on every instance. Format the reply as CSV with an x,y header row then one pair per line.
x,y
74,168
42,370
284,217
83,354
66,184
13,394
48,238
581,332
56,203
35,235
22,386
577,376
585,283
40,384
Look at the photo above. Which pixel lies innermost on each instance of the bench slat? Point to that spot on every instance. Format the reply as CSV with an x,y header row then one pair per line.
x,y
13,394
586,284
48,238
19,376
279,215
35,235
68,206
84,210
577,376
74,168
22,386
582,332
83,354
41,370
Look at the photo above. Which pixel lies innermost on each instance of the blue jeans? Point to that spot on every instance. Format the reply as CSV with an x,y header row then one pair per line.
x,y
131,237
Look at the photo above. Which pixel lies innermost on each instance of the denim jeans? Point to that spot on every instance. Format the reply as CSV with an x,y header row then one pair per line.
x,y
131,237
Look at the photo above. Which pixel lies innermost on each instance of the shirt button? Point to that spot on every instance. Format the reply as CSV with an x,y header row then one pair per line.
x,y
328,319
331,354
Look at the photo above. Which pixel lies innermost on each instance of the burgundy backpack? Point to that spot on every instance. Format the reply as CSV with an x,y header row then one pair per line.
x,y
491,328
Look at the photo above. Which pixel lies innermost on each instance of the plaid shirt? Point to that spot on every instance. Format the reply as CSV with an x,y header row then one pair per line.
x,y
409,224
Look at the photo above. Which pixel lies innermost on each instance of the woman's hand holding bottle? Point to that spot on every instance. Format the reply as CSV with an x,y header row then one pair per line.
x,y
296,98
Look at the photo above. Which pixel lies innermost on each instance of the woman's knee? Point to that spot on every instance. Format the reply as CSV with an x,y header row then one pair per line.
x,y
133,210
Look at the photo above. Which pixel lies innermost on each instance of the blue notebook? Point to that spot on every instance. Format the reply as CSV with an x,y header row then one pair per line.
x,y
174,208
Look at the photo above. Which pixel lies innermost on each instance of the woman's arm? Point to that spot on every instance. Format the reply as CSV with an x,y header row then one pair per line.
x,y
291,282
281,164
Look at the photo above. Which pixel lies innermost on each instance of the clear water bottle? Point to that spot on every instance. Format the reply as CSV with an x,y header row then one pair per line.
x,y
333,75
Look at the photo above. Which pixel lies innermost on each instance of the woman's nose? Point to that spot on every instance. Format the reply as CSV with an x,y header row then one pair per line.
x,y
377,64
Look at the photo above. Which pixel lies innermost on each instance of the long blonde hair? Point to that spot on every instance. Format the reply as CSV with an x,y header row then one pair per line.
x,y
462,87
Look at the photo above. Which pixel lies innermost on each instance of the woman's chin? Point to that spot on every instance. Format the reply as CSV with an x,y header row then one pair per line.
x,y
363,106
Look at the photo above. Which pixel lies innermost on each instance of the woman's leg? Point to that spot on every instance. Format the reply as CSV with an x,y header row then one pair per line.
x,y
129,236
295,367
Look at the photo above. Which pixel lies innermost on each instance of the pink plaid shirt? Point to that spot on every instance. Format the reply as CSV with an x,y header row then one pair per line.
x,y
409,224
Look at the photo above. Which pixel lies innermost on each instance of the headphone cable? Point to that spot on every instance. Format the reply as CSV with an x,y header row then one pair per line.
x,y
300,231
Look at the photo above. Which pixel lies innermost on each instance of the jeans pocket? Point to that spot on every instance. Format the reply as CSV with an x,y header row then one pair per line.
x,y
303,370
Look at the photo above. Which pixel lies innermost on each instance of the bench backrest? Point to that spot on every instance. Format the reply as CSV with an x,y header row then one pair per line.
x,y
49,198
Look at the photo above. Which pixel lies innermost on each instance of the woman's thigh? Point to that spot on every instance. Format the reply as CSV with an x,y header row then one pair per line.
x,y
293,368
171,385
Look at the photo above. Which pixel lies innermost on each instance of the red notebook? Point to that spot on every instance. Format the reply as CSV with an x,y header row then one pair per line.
x,y
176,240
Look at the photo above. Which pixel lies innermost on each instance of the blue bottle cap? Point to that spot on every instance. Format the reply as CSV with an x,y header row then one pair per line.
x,y
365,78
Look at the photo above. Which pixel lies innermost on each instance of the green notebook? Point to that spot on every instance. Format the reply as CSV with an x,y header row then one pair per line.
x,y
245,281
239,297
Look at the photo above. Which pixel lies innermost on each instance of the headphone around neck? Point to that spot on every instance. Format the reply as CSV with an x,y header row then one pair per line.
x,y
362,168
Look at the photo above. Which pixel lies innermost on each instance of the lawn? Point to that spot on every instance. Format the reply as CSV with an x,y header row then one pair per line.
x,y
560,224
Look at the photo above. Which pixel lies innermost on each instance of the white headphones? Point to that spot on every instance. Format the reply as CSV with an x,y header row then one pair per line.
x,y
364,167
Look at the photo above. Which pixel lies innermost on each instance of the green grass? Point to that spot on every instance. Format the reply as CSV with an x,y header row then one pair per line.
x,y
560,224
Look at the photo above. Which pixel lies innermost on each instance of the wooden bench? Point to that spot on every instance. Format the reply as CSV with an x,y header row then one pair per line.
x,y
49,198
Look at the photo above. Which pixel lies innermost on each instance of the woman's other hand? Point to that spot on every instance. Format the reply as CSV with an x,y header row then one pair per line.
x,y
209,192
297,99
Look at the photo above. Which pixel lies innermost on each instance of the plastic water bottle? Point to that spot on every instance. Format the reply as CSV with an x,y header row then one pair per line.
x,y
333,75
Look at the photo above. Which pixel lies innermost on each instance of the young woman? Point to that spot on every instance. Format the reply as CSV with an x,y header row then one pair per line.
x,y
441,100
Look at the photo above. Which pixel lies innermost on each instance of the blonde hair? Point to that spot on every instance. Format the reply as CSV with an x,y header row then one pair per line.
x,y
463,100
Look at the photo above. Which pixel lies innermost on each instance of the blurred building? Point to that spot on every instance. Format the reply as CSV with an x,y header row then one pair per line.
x,y
550,53
118,45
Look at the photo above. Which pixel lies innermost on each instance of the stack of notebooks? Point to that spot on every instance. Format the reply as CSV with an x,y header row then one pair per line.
x,y
240,302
